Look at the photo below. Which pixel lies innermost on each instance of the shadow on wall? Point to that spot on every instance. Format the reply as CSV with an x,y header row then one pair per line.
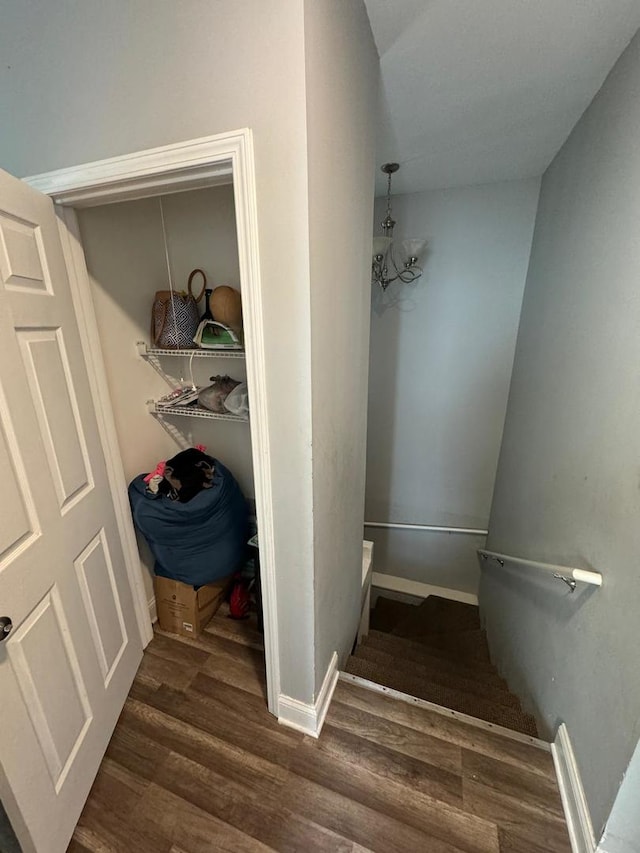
x,y
389,306
622,832
8,840
383,371
548,600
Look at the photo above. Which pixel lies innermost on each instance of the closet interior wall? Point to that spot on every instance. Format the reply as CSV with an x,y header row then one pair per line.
x,y
125,253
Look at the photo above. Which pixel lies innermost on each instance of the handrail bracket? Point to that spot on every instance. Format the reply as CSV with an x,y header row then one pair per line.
x,y
566,574
569,582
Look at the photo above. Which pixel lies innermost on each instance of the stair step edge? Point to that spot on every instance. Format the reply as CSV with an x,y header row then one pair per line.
x,y
456,697
383,637
453,678
433,707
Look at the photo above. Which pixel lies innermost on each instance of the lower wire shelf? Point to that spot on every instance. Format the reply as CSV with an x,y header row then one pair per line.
x,y
191,412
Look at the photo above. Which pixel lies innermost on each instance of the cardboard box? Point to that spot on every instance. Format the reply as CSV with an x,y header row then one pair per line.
x,y
184,610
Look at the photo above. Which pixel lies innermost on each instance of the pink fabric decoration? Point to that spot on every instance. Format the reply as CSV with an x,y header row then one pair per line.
x,y
159,472
201,447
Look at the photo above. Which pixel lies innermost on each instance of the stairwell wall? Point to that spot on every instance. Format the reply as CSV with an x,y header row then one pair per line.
x,y
622,833
567,485
441,355
341,64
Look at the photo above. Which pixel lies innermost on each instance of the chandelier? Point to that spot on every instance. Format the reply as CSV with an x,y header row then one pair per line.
x,y
386,267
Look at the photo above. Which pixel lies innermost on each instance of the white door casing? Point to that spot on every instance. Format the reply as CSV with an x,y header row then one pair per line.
x,y
191,164
69,661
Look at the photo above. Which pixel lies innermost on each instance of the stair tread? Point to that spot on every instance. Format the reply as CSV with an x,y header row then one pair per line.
x,y
417,650
448,676
388,613
436,615
532,757
438,649
424,655
458,700
471,645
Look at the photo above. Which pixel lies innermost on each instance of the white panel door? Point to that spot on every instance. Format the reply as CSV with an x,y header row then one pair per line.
x,y
74,646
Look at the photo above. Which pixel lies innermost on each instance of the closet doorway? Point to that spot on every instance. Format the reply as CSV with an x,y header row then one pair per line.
x,y
220,166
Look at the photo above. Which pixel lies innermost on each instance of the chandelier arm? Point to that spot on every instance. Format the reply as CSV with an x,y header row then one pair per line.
x,y
408,276
406,267
406,272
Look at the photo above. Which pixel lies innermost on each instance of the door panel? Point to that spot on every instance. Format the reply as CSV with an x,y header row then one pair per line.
x,y
55,402
66,668
102,604
22,258
19,521
47,670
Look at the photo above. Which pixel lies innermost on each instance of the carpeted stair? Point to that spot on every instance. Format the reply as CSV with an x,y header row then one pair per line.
x,y
437,651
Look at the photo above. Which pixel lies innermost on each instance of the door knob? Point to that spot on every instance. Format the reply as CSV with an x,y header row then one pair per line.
x,y
6,625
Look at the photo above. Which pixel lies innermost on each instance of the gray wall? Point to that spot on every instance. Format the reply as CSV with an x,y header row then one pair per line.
x,y
622,833
441,354
342,83
83,80
567,486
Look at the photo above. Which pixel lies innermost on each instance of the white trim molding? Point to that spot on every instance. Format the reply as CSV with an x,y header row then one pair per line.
x,y
191,164
367,562
153,610
420,590
185,165
365,597
309,718
574,801
428,528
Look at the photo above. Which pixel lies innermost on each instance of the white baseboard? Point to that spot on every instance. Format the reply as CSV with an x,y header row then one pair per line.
x,y
153,610
420,590
367,560
574,801
309,718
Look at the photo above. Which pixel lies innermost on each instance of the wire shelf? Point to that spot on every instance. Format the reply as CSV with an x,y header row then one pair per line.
x,y
192,412
149,352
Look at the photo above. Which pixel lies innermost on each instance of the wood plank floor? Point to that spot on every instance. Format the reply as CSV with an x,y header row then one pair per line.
x,y
197,764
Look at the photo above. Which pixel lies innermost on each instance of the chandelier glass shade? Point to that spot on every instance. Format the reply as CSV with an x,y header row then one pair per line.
x,y
393,261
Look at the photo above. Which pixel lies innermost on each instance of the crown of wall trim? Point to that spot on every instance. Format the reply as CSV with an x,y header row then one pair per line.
x,y
192,164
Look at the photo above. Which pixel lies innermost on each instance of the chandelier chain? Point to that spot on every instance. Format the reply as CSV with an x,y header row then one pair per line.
x,y
384,258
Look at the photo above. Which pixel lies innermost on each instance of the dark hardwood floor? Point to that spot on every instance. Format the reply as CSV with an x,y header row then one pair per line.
x,y
197,764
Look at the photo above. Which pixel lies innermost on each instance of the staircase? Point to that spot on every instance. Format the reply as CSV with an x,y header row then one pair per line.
x,y
437,651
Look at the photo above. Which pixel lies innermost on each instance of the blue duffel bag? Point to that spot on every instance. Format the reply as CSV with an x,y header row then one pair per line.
x,y
199,539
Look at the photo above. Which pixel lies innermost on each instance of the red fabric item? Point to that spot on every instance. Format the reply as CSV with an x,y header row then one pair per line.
x,y
239,601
